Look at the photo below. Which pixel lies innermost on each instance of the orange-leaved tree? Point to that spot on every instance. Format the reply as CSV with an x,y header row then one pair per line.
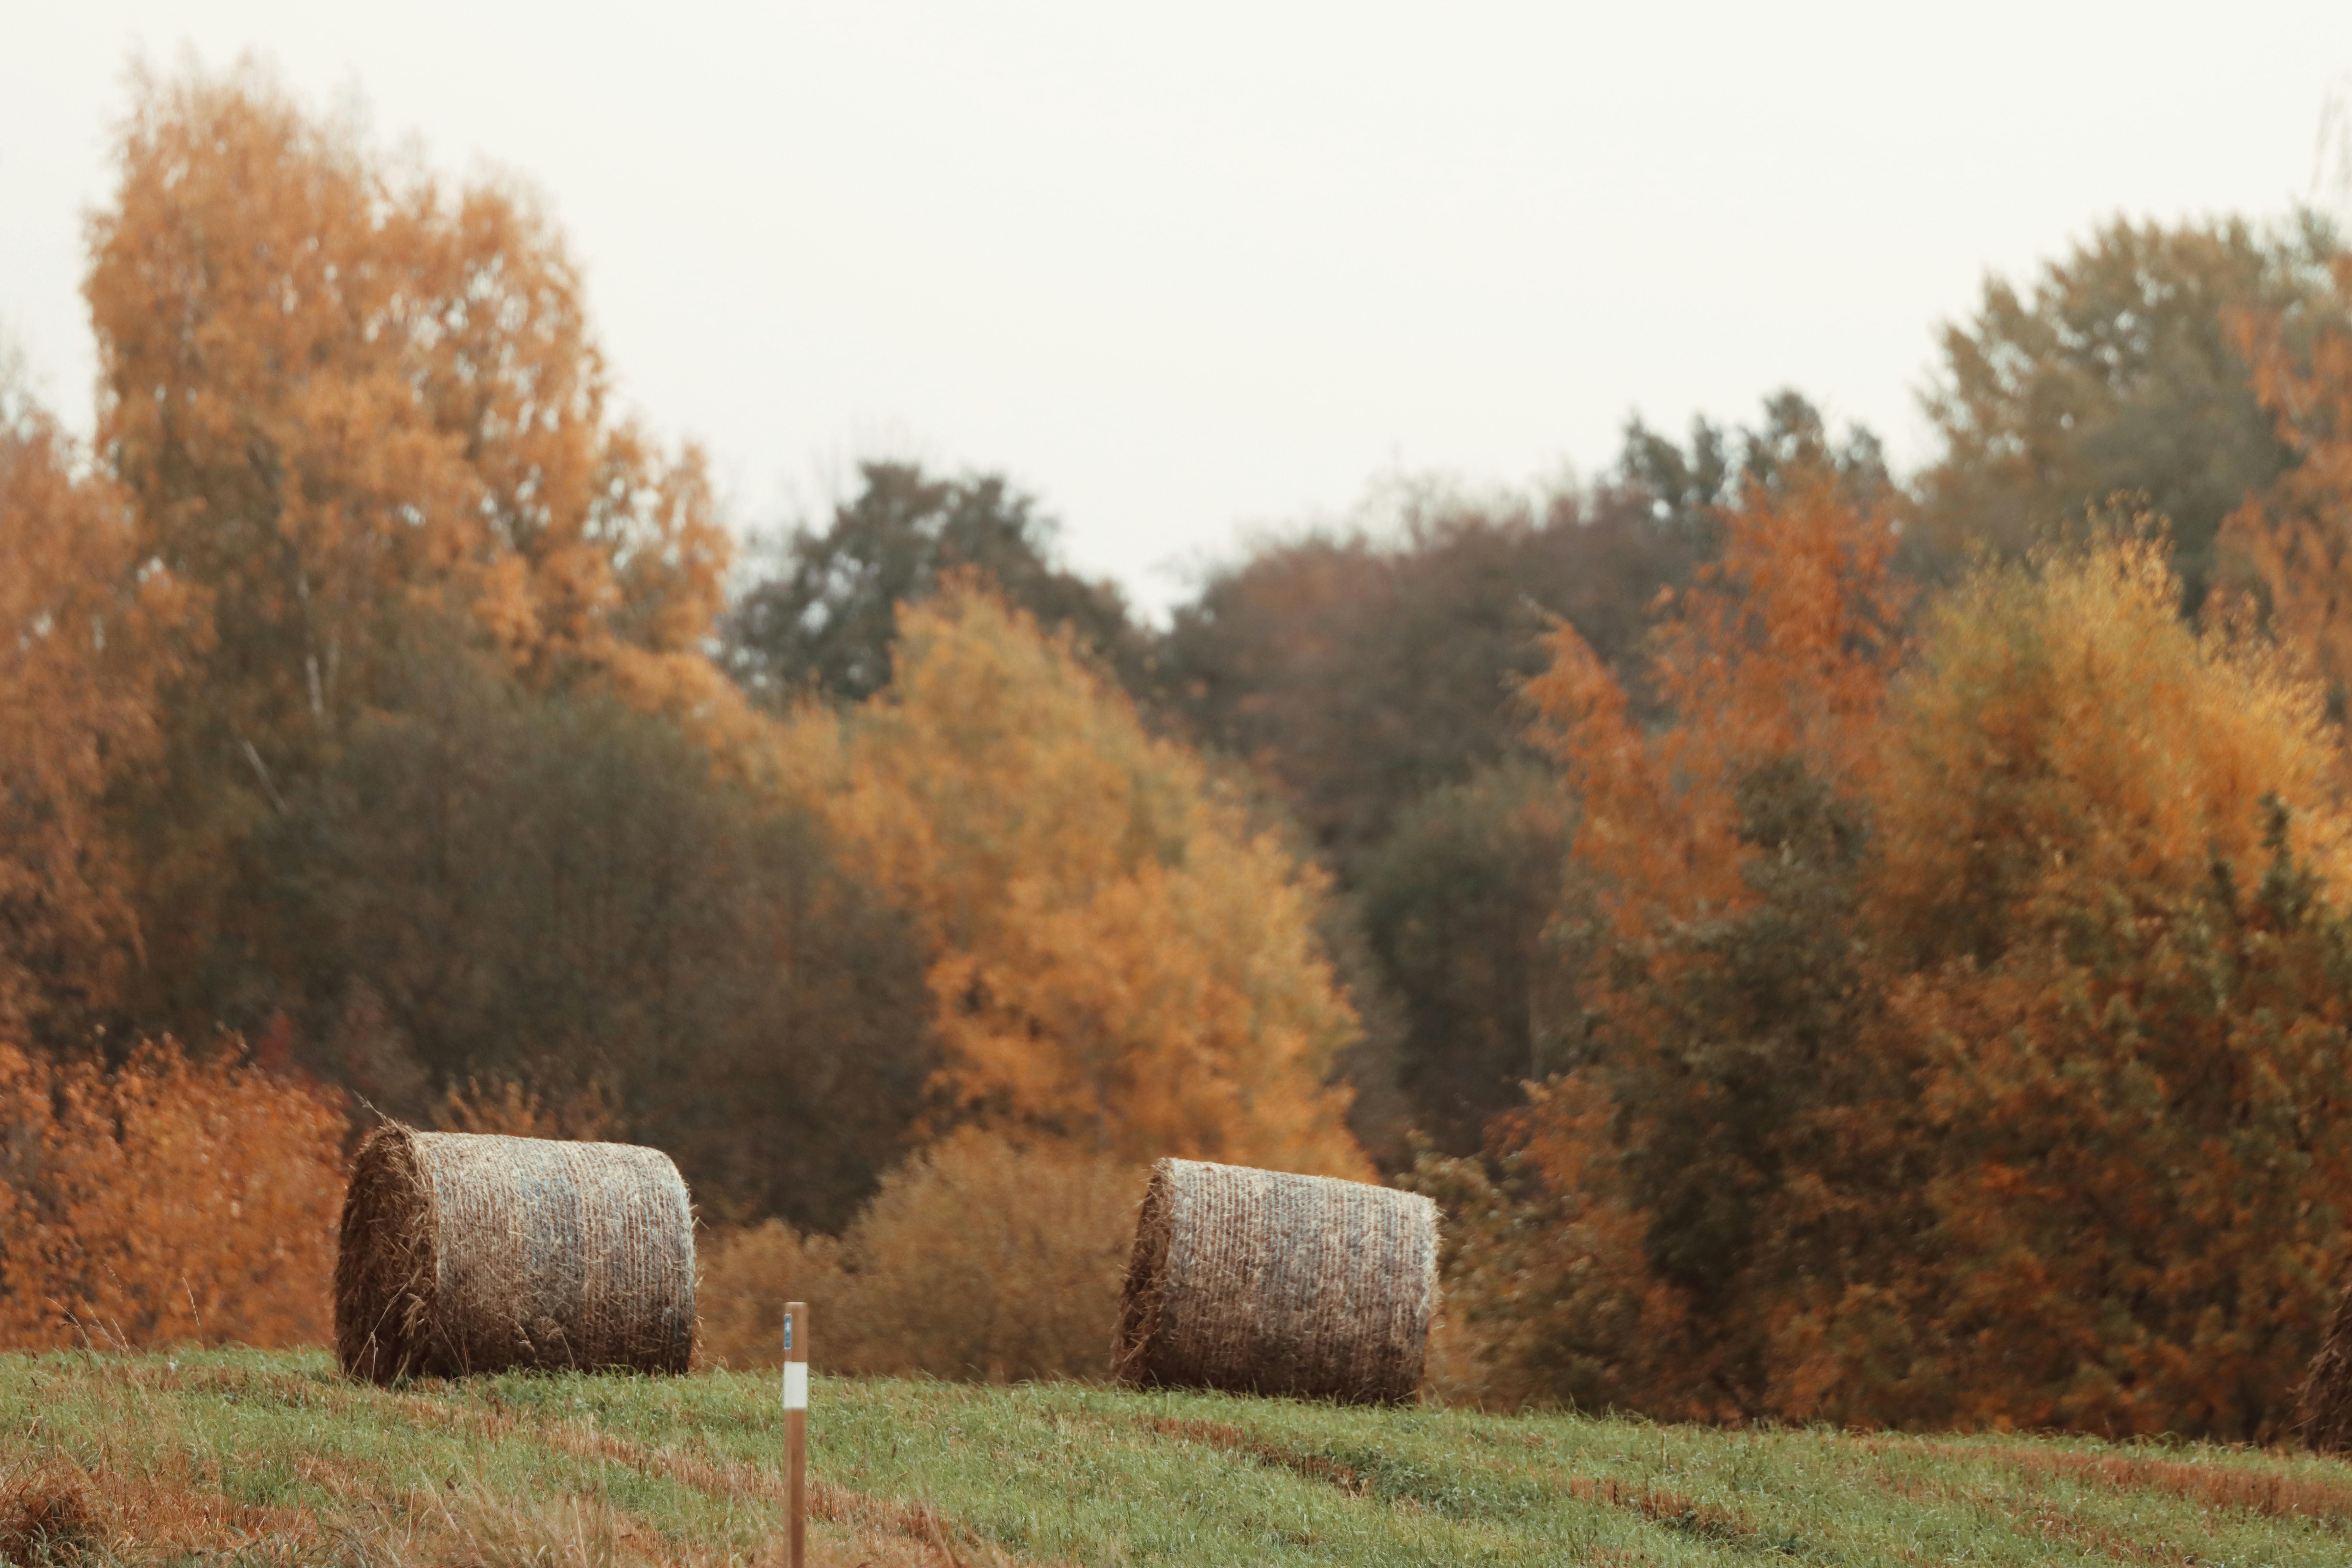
x,y
83,640
2113,860
354,410
165,1199
1723,1046
1781,649
2067,731
2295,536
333,389
2005,1086
1119,958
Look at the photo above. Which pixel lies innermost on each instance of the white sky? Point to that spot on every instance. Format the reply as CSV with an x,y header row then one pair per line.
x,y
1222,266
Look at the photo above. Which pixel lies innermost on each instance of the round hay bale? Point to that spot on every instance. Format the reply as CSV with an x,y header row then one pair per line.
x,y
467,1252
1260,1282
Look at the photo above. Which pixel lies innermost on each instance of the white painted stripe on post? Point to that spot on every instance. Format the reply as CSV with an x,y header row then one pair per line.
x,y
796,1385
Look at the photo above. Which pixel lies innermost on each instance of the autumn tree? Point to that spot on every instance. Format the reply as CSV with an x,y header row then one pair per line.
x,y
1729,1140
1374,679
2120,370
2294,533
541,897
1780,650
83,641
2137,1126
1967,1038
1687,489
2115,866
1460,904
1116,960
329,386
1722,854
824,618
338,396
1359,672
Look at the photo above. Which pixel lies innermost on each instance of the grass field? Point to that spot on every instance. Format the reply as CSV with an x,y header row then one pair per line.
x,y
273,1458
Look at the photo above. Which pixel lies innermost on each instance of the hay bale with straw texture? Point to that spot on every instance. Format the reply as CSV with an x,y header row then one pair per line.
x,y
1260,1282
468,1252
2324,1409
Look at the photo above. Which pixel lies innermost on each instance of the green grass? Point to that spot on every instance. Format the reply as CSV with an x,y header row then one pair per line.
x,y
273,1457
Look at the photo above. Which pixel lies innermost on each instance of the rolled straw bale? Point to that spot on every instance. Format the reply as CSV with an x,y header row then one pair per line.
x,y
2324,1409
1260,1282
468,1252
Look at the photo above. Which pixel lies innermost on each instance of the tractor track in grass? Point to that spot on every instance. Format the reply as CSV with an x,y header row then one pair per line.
x,y
1660,1506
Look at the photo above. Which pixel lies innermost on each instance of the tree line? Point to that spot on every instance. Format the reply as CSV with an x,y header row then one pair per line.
x,y
1842,944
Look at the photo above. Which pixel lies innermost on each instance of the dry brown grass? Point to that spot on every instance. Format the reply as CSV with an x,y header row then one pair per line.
x,y
58,1512
2278,1495
588,1113
48,1513
2321,1498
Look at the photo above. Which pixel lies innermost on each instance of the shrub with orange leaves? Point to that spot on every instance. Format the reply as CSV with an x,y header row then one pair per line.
x,y
1118,959
166,1199
978,1258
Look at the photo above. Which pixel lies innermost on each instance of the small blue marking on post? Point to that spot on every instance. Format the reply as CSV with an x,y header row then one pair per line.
x,y
788,1332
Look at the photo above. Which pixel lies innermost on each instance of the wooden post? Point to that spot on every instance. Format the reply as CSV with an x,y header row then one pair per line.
x,y
796,1428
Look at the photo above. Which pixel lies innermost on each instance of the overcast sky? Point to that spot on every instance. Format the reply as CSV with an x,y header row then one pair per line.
x,y
1211,267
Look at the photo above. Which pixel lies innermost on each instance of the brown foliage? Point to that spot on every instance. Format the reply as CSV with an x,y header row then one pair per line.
x,y
1118,959
2297,534
82,644
167,1199
977,1259
586,1113
1969,1042
330,384
2113,855
1359,673
343,402
1782,647
47,1516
